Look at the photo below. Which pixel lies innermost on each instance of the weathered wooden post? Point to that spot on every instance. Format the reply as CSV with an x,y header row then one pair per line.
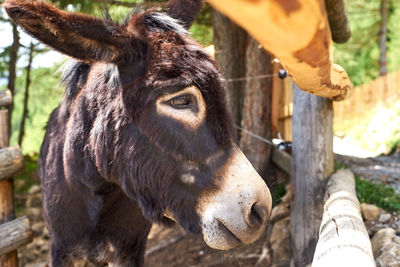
x,y
6,186
312,164
5,98
11,161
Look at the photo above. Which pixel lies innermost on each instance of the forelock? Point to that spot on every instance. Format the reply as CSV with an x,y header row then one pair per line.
x,y
162,22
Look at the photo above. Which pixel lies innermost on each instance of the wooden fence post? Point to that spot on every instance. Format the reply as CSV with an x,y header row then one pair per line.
x,y
5,98
312,164
6,194
6,185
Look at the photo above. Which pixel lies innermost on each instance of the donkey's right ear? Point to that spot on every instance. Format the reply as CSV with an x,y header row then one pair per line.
x,y
184,10
77,35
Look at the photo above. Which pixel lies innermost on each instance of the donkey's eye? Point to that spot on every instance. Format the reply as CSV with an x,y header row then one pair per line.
x,y
182,101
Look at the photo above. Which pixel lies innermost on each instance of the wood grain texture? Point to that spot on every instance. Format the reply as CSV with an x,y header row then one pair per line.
x,y
230,52
343,238
312,164
5,98
3,128
256,112
6,193
14,234
298,34
283,160
11,161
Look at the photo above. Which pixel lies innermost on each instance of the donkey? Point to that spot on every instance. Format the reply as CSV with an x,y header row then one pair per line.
x,y
142,136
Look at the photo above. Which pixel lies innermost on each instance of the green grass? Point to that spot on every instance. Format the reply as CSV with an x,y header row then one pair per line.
x,y
378,194
339,165
277,192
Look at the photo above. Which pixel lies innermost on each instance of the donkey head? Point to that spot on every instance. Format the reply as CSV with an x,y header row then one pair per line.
x,y
175,152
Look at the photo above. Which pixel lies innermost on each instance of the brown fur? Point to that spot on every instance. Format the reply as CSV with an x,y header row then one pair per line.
x,y
109,164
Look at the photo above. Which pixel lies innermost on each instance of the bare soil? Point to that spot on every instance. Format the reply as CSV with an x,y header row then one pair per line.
x,y
171,246
166,246
191,250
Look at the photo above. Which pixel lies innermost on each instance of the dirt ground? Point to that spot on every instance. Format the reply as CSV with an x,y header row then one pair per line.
x,y
166,246
173,247
186,249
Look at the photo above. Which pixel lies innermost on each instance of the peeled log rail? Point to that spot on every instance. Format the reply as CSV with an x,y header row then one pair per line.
x,y
5,98
343,238
298,34
11,161
283,160
14,234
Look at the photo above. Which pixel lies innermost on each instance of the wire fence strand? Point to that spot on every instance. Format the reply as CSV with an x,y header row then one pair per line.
x,y
256,136
259,77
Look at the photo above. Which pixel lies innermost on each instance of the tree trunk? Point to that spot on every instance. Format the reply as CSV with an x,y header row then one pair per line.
x,y
337,18
230,51
26,96
256,112
382,39
312,164
12,70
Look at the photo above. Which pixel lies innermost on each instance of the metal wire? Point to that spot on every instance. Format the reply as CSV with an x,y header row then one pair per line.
x,y
256,136
250,78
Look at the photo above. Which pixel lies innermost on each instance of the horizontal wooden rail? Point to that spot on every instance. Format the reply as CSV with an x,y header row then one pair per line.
x,y
11,161
298,34
5,98
283,160
14,234
343,238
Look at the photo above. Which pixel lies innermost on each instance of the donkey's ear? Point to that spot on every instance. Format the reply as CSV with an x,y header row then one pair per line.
x,y
184,10
74,34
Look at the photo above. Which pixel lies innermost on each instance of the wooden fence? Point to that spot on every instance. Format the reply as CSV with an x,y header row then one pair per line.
x,y
365,99
282,105
13,233
382,92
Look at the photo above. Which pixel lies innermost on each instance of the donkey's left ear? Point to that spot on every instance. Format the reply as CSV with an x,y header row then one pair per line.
x,y
184,10
77,35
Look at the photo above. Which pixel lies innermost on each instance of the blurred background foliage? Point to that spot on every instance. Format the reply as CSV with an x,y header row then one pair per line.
x,y
360,55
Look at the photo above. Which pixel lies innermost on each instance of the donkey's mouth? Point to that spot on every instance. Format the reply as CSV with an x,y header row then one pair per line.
x,y
229,235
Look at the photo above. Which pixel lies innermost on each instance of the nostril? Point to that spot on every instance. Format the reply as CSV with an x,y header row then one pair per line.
x,y
258,215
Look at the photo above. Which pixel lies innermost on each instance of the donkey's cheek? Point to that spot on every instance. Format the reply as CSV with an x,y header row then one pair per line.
x,y
238,212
